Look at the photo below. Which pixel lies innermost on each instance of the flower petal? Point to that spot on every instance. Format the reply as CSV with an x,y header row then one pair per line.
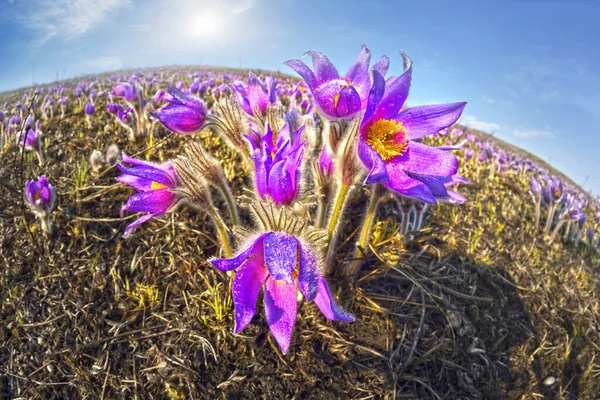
x,y
255,249
304,71
281,254
308,274
281,310
150,173
327,304
324,69
373,162
426,160
394,97
407,186
337,99
155,201
245,289
375,96
382,65
425,120
138,222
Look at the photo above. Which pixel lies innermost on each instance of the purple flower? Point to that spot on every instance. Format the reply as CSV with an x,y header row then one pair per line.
x,y
339,97
90,109
256,97
31,141
184,114
277,165
155,185
390,147
40,195
113,108
535,187
125,90
469,154
63,101
279,264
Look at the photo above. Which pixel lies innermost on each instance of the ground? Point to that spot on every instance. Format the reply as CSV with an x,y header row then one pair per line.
x,y
475,306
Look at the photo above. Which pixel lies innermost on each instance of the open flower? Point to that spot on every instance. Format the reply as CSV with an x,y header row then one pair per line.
x,y
339,97
155,185
389,144
183,114
278,263
256,97
277,165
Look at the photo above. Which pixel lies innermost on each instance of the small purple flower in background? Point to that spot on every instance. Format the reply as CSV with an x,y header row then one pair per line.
x,y
124,90
277,165
469,154
183,114
155,185
114,108
90,108
279,264
389,144
40,196
339,97
255,99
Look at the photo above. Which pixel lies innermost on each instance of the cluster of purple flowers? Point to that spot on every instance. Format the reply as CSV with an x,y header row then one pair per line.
x,y
366,137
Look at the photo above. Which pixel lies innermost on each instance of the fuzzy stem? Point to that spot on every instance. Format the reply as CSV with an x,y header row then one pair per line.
x,y
556,229
321,212
549,219
365,233
537,212
222,230
230,203
337,211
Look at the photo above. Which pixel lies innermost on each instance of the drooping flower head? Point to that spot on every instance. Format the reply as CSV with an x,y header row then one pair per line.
x,y
389,143
535,187
339,96
279,264
183,114
277,164
155,185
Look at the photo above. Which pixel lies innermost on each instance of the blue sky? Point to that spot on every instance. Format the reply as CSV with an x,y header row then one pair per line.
x,y
529,69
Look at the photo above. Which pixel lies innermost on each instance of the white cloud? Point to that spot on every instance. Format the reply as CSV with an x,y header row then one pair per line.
x,y
472,122
532,133
244,6
68,19
109,63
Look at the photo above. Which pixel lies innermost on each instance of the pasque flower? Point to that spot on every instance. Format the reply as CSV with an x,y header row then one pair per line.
x,y
155,185
278,263
339,96
183,114
40,196
389,143
277,164
256,97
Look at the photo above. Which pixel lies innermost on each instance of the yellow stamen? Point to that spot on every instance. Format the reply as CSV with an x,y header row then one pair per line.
x,y
336,99
388,138
36,195
156,186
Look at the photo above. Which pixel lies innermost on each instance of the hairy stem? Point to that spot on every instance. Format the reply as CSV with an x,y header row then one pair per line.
x,y
222,230
365,233
230,204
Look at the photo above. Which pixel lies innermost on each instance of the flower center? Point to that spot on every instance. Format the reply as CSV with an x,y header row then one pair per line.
x,y
336,98
388,138
36,195
156,186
